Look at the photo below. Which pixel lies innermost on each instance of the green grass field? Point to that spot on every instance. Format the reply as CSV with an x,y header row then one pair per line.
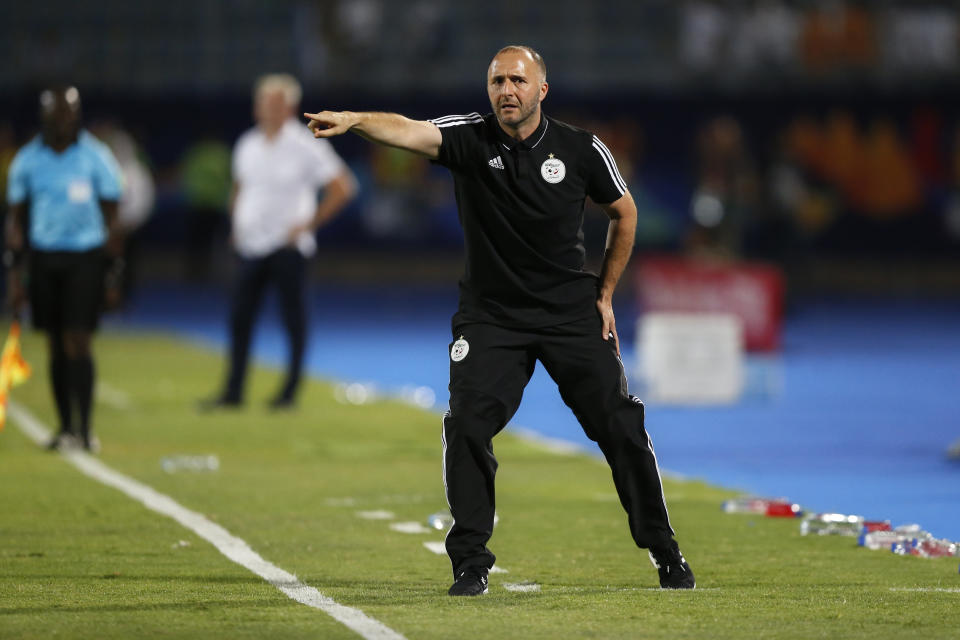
x,y
81,560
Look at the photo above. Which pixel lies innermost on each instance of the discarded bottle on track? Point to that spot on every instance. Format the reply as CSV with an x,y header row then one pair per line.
x,y
441,520
192,463
927,548
870,526
776,507
893,539
831,524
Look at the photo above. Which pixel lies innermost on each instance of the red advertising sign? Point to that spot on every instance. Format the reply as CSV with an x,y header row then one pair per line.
x,y
752,291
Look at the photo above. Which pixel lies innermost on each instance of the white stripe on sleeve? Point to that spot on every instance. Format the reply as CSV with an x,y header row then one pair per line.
x,y
608,160
451,121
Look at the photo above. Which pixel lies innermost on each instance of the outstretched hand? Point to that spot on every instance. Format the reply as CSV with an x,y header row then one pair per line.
x,y
327,124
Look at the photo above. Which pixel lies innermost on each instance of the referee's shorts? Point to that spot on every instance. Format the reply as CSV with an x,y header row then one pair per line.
x,y
66,289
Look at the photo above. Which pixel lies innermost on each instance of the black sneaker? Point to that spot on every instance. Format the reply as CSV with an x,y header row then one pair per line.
x,y
63,440
472,581
674,571
281,403
218,402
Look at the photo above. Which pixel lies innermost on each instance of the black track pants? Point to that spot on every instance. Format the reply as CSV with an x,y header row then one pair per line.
x,y
286,270
486,385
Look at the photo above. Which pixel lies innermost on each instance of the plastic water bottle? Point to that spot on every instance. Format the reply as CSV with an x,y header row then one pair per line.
x,y
881,539
778,507
870,526
441,520
927,548
831,524
196,464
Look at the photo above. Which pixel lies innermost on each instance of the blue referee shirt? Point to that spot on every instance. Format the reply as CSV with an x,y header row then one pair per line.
x,y
64,190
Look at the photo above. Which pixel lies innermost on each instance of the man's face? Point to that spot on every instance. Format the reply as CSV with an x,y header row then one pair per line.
x,y
271,109
515,86
60,112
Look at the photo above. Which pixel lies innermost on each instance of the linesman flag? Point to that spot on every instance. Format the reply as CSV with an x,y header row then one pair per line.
x,y
14,370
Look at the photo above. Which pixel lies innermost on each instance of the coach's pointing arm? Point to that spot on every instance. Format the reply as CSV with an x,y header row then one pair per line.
x,y
391,129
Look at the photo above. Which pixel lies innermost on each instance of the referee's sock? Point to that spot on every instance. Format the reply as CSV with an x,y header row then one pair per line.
x,y
60,383
81,383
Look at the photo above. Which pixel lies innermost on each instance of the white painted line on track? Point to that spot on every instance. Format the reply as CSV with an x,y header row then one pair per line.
x,y
439,549
375,515
409,527
436,547
113,397
546,443
340,502
226,543
927,589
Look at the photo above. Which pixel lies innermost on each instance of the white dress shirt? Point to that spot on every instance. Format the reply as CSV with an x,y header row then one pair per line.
x,y
278,182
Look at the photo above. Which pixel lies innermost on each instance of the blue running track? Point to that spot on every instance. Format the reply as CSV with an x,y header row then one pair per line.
x,y
855,415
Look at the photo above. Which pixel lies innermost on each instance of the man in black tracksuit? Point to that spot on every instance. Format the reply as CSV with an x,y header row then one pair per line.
x,y
521,180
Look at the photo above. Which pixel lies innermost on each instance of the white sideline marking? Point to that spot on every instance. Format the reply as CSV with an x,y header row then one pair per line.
x,y
551,445
436,547
439,549
375,515
521,587
409,527
226,543
927,589
562,447
113,397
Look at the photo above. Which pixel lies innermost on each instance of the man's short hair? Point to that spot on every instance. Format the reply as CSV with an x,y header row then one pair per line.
x,y
283,82
533,54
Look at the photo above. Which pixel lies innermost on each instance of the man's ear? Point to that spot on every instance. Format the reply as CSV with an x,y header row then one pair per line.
x,y
544,87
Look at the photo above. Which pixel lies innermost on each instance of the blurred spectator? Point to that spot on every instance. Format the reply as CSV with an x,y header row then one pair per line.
x,y
703,35
278,168
8,149
874,174
838,35
398,201
205,174
810,205
358,24
727,191
922,39
139,192
888,184
951,214
766,37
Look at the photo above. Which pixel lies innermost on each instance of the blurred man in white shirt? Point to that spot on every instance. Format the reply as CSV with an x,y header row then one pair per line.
x,y
278,168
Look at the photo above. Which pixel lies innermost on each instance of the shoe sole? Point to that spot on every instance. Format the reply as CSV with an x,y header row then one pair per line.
x,y
468,595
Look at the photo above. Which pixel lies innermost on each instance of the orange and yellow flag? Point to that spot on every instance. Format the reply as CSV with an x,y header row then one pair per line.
x,y
14,369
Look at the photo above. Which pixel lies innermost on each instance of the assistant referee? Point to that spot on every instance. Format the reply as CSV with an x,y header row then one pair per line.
x,y
521,179
68,184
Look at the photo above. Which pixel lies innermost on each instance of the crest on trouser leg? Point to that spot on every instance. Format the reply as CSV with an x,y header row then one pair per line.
x,y
459,349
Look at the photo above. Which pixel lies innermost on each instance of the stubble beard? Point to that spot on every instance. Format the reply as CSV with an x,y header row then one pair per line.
x,y
522,118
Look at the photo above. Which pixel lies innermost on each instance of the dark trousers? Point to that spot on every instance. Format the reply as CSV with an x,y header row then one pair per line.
x,y
485,390
286,271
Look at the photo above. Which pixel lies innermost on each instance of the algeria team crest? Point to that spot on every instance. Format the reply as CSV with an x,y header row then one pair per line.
x,y
459,350
553,170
